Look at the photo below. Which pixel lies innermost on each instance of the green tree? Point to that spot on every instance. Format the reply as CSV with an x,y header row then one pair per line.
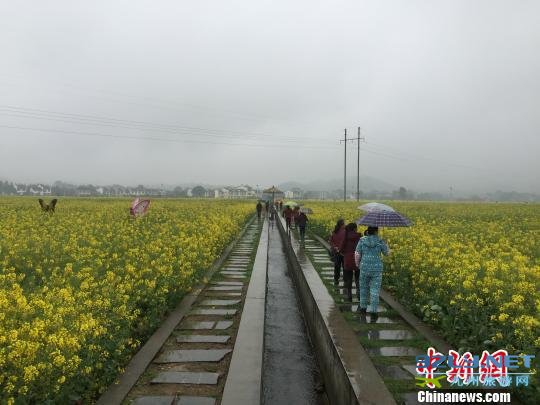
x,y
198,191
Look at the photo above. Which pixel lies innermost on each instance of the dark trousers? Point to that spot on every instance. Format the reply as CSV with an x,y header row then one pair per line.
x,y
348,278
258,214
338,265
302,231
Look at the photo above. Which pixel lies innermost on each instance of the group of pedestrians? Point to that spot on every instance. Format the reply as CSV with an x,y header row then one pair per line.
x,y
295,217
359,257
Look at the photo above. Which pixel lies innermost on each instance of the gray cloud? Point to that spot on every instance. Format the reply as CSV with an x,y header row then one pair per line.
x,y
447,94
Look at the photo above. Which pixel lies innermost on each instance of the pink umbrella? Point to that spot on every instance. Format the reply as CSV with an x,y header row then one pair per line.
x,y
139,207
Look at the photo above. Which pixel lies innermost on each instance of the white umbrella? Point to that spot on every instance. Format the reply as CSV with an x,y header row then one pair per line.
x,y
375,206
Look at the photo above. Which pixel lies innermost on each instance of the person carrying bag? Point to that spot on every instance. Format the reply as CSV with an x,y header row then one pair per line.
x,y
348,249
335,241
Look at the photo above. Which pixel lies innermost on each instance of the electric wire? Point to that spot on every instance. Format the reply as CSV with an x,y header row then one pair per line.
x,y
144,125
158,139
306,142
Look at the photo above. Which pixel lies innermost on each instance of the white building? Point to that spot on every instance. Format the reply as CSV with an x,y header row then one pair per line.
x,y
221,193
294,194
242,192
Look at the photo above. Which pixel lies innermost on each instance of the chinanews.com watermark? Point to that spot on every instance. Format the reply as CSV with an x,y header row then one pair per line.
x,y
434,397
470,373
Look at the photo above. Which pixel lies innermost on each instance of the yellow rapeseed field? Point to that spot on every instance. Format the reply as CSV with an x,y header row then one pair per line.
x,y
80,289
472,270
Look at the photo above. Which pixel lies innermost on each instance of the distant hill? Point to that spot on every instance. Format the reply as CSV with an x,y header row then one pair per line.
x,y
367,184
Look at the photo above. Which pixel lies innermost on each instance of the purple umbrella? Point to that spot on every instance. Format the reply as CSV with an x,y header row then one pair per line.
x,y
389,219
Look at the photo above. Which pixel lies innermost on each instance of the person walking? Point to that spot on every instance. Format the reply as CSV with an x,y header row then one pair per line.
x,y
296,212
267,206
302,220
288,214
348,249
259,210
335,241
369,249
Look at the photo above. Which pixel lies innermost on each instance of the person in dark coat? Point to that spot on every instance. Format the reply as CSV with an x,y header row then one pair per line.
x,y
335,241
259,210
288,215
301,220
296,212
348,249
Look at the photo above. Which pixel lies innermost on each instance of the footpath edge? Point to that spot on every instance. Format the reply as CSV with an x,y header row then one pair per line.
x,y
349,375
119,389
244,379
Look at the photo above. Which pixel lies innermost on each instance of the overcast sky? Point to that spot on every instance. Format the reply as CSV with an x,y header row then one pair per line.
x,y
226,92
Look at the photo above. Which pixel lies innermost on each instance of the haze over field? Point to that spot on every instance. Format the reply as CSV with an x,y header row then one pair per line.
x,y
447,94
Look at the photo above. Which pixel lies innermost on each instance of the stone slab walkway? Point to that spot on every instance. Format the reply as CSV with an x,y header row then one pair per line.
x,y
193,364
392,339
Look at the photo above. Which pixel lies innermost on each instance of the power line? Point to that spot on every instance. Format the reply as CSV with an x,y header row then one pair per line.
x,y
155,103
308,142
95,118
147,138
173,132
31,113
406,156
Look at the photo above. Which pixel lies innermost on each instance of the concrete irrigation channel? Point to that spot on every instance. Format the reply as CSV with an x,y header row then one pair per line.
x,y
290,370
270,327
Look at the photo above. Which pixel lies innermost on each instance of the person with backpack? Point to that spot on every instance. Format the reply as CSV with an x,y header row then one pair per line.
x,y
335,241
348,249
370,249
301,221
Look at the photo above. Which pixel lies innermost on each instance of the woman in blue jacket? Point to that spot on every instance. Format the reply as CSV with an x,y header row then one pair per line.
x,y
369,249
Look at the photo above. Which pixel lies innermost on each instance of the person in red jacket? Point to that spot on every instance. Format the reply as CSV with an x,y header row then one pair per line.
x,y
336,240
348,248
288,215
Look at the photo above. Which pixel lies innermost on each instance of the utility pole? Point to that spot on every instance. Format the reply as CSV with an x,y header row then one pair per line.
x,y
345,168
358,166
345,140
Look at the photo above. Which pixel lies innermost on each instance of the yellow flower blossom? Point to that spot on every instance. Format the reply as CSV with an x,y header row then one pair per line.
x,y
78,288
479,262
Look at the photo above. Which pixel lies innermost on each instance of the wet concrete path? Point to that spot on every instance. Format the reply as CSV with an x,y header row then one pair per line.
x,y
290,371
